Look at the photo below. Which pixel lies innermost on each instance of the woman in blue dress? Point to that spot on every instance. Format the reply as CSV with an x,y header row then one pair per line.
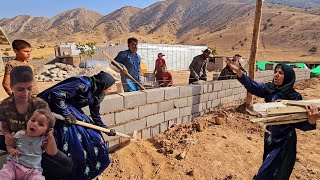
x,y
85,146
280,140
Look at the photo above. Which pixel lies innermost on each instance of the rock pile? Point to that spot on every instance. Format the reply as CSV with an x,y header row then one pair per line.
x,y
60,71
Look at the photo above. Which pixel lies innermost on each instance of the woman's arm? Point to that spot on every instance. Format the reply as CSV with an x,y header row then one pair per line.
x,y
51,146
95,114
255,88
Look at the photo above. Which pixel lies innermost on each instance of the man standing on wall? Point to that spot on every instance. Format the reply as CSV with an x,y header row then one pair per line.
x,y
130,61
198,67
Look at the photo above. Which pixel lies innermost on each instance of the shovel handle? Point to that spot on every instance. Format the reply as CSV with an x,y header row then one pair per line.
x,y
88,125
121,68
91,126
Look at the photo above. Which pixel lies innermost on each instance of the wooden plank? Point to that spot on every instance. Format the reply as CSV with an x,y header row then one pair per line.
x,y
285,122
280,118
301,104
276,111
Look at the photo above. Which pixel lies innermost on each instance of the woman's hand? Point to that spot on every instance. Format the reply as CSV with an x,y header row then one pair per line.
x,y
9,139
313,113
235,67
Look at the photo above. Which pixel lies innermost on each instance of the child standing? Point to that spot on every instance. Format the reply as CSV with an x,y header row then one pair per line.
x,y
23,54
24,161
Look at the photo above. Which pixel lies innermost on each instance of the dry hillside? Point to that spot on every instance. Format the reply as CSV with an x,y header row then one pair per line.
x,y
286,32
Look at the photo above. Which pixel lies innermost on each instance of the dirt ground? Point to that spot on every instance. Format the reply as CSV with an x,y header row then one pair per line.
x,y
219,145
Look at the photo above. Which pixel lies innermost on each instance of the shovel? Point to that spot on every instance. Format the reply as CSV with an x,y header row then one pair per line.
x,y
121,69
95,127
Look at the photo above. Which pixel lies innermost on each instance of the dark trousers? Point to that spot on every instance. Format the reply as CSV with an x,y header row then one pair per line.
x,y
193,79
54,167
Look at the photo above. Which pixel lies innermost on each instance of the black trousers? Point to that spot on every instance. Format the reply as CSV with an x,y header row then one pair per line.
x,y
54,167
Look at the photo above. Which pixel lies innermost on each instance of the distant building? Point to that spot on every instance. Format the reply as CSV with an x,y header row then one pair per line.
x,y
67,53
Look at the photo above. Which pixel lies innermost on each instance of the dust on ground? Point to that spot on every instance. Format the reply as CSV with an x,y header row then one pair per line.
x,y
220,145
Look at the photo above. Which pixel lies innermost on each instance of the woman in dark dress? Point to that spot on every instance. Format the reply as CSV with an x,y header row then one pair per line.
x,y
281,140
85,146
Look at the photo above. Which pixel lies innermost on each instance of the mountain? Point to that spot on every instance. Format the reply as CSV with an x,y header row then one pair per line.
x,y
225,24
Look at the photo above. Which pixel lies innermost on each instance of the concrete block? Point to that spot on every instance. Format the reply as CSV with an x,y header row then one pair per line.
x,y
108,119
230,98
216,103
221,94
116,105
225,85
155,95
172,114
127,115
113,145
196,108
210,87
164,126
243,95
136,125
224,100
155,130
146,133
209,104
213,95
204,106
204,98
171,93
237,84
204,88
165,106
171,122
194,99
186,119
185,91
185,111
178,120
202,113
196,90
120,129
182,102
195,115
217,86
155,119
232,84
207,111
134,99
148,110
229,92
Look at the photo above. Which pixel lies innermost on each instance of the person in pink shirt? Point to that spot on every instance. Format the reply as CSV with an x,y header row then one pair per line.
x,y
165,78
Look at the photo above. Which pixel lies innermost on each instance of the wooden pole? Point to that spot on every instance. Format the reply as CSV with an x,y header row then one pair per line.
x,y
254,46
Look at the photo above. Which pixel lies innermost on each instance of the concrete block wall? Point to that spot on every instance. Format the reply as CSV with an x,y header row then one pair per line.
x,y
153,111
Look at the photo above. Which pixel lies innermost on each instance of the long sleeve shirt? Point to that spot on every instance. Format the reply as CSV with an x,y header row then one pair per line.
x,y
75,92
131,62
198,67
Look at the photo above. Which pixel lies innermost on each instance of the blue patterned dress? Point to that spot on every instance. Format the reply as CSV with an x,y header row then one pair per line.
x,y
85,146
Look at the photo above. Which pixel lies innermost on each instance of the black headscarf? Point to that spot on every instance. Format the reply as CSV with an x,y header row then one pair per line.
x,y
101,81
285,90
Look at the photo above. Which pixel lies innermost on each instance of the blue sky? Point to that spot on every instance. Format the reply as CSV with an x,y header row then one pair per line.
x,y
46,8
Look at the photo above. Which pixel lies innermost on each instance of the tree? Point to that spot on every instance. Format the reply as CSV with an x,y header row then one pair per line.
x,y
87,49
213,50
